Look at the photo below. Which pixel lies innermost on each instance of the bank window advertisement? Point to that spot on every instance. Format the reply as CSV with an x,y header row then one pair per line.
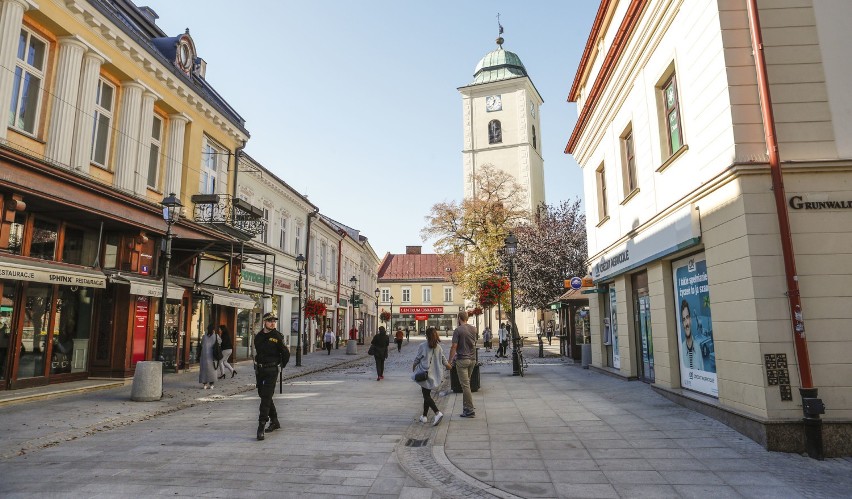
x,y
612,334
695,327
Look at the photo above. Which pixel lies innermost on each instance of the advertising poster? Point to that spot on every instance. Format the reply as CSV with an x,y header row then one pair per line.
x,y
613,326
695,327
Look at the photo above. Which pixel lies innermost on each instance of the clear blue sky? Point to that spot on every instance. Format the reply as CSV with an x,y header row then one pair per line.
x,y
355,103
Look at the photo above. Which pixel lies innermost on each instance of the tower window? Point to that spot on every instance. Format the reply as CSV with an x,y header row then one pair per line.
x,y
495,132
535,145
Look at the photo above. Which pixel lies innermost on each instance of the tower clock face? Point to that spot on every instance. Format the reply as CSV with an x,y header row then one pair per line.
x,y
493,103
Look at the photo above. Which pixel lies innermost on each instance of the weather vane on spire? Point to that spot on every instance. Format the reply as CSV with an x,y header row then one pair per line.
x,y
499,31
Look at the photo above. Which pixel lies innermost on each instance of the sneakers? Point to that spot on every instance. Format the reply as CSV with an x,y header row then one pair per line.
x,y
438,418
273,425
466,414
423,419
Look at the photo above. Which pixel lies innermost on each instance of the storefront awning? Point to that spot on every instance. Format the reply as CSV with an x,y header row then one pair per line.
x,y
51,274
228,299
148,287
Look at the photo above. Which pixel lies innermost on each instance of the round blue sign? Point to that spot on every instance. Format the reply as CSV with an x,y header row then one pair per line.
x,y
576,283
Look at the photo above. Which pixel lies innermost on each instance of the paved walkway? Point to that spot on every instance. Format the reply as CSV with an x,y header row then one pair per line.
x,y
560,431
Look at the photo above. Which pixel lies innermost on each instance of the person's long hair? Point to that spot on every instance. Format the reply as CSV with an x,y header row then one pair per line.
x,y
223,330
432,337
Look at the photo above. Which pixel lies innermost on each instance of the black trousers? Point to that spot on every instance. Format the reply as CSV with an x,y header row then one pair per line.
x,y
428,403
380,365
398,345
266,379
328,347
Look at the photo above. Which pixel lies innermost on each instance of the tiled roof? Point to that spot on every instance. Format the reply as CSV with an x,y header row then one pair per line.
x,y
417,267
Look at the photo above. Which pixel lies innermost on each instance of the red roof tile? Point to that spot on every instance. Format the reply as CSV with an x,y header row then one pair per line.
x,y
418,267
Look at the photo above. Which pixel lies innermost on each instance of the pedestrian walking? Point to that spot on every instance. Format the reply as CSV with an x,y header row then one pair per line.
x,y
486,338
430,358
227,348
270,352
407,333
549,333
206,362
463,357
380,344
328,339
503,340
399,335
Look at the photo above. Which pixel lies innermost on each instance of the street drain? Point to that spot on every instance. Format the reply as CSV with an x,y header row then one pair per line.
x,y
413,442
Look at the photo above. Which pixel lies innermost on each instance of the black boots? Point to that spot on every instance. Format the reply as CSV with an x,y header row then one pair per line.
x,y
273,425
260,435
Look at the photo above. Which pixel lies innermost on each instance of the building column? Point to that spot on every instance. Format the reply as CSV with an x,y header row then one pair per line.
x,y
143,157
81,148
126,145
11,17
174,153
66,88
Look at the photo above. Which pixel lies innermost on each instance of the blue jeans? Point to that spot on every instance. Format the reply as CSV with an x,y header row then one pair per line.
x,y
464,370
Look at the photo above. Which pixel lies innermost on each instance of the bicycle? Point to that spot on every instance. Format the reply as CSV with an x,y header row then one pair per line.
x,y
518,346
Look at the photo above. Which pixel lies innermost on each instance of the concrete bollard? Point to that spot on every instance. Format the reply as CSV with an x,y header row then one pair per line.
x,y
351,347
586,355
147,382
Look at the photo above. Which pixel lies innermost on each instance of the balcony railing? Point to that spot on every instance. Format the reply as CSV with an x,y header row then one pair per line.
x,y
228,214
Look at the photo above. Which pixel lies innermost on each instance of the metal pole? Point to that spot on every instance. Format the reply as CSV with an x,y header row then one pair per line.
x,y
299,322
516,361
161,328
390,326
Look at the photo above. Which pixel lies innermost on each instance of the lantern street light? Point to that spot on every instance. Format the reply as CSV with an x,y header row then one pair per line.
x,y
390,326
511,248
300,267
171,213
353,281
377,311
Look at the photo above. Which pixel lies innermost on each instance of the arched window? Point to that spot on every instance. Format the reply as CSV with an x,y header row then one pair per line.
x,y
534,139
495,132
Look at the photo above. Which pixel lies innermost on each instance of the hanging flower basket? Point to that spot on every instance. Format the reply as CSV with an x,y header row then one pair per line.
x,y
314,308
476,311
491,290
385,316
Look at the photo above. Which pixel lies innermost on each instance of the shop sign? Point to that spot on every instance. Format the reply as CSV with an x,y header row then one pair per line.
x,y
673,233
421,310
50,275
421,317
818,202
256,278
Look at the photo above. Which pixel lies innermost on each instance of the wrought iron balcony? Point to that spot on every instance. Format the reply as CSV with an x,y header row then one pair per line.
x,y
228,214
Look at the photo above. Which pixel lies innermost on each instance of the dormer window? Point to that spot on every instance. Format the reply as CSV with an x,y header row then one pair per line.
x,y
185,54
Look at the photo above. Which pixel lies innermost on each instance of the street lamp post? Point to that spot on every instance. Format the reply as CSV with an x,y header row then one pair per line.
x,y
353,281
390,325
300,267
376,329
171,213
511,247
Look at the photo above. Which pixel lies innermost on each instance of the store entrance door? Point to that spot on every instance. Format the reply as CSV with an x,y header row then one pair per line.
x,y
642,322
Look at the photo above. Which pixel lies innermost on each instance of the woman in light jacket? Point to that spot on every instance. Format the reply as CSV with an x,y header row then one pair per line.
x,y
430,357
227,348
207,372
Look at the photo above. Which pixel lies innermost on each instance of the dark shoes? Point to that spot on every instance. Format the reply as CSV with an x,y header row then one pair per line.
x,y
222,377
260,428
233,373
273,425
468,414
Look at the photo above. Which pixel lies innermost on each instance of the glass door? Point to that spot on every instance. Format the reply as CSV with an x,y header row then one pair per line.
x,y
7,338
32,353
642,321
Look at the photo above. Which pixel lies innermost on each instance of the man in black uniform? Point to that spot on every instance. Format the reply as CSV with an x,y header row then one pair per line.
x,y
270,352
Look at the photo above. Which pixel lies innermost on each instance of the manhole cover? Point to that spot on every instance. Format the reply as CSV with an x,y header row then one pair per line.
x,y
413,442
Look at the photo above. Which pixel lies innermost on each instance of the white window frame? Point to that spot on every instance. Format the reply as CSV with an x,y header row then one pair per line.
x,y
448,294
600,181
103,119
427,294
264,234
22,79
155,149
332,274
323,250
282,234
406,295
213,175
297,240
385,295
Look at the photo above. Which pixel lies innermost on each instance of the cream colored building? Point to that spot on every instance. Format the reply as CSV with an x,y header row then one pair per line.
x,y
683,232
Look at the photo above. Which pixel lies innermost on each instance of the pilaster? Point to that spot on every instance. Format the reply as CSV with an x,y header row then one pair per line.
x,y
174,152
65,90
11,17
127,144
144,141
81,148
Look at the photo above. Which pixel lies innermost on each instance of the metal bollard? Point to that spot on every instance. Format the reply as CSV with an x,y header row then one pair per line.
x,y
540,347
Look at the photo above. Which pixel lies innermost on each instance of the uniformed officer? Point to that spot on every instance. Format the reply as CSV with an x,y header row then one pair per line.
x,y
270,353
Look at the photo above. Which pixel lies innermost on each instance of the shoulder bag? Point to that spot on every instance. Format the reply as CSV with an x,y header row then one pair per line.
x,y
422,375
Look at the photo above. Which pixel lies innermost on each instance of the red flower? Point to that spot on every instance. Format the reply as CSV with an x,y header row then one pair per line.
x,y
385,315
314,308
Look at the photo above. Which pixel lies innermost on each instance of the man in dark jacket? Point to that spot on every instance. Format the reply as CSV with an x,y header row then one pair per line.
x,y
270,353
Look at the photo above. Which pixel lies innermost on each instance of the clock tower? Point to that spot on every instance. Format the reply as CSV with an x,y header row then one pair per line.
x,y
501,124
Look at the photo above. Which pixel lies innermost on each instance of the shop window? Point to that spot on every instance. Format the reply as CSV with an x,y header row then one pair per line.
x,y
31,356
79,246
111,251
28,81
73,323
16,234
7,311
495,132
43,244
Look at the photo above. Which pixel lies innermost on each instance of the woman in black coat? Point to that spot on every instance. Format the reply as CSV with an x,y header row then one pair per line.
x,y
380,345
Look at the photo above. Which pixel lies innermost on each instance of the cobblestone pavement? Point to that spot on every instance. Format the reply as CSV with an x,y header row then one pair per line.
x,y
560,431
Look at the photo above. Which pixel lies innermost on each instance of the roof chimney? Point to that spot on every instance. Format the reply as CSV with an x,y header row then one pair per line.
x,y
149,13
413,250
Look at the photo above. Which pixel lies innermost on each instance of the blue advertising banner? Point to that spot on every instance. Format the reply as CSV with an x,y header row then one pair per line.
x,y
695,327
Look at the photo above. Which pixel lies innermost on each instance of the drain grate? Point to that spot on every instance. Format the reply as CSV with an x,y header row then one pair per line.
x,y
414,442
